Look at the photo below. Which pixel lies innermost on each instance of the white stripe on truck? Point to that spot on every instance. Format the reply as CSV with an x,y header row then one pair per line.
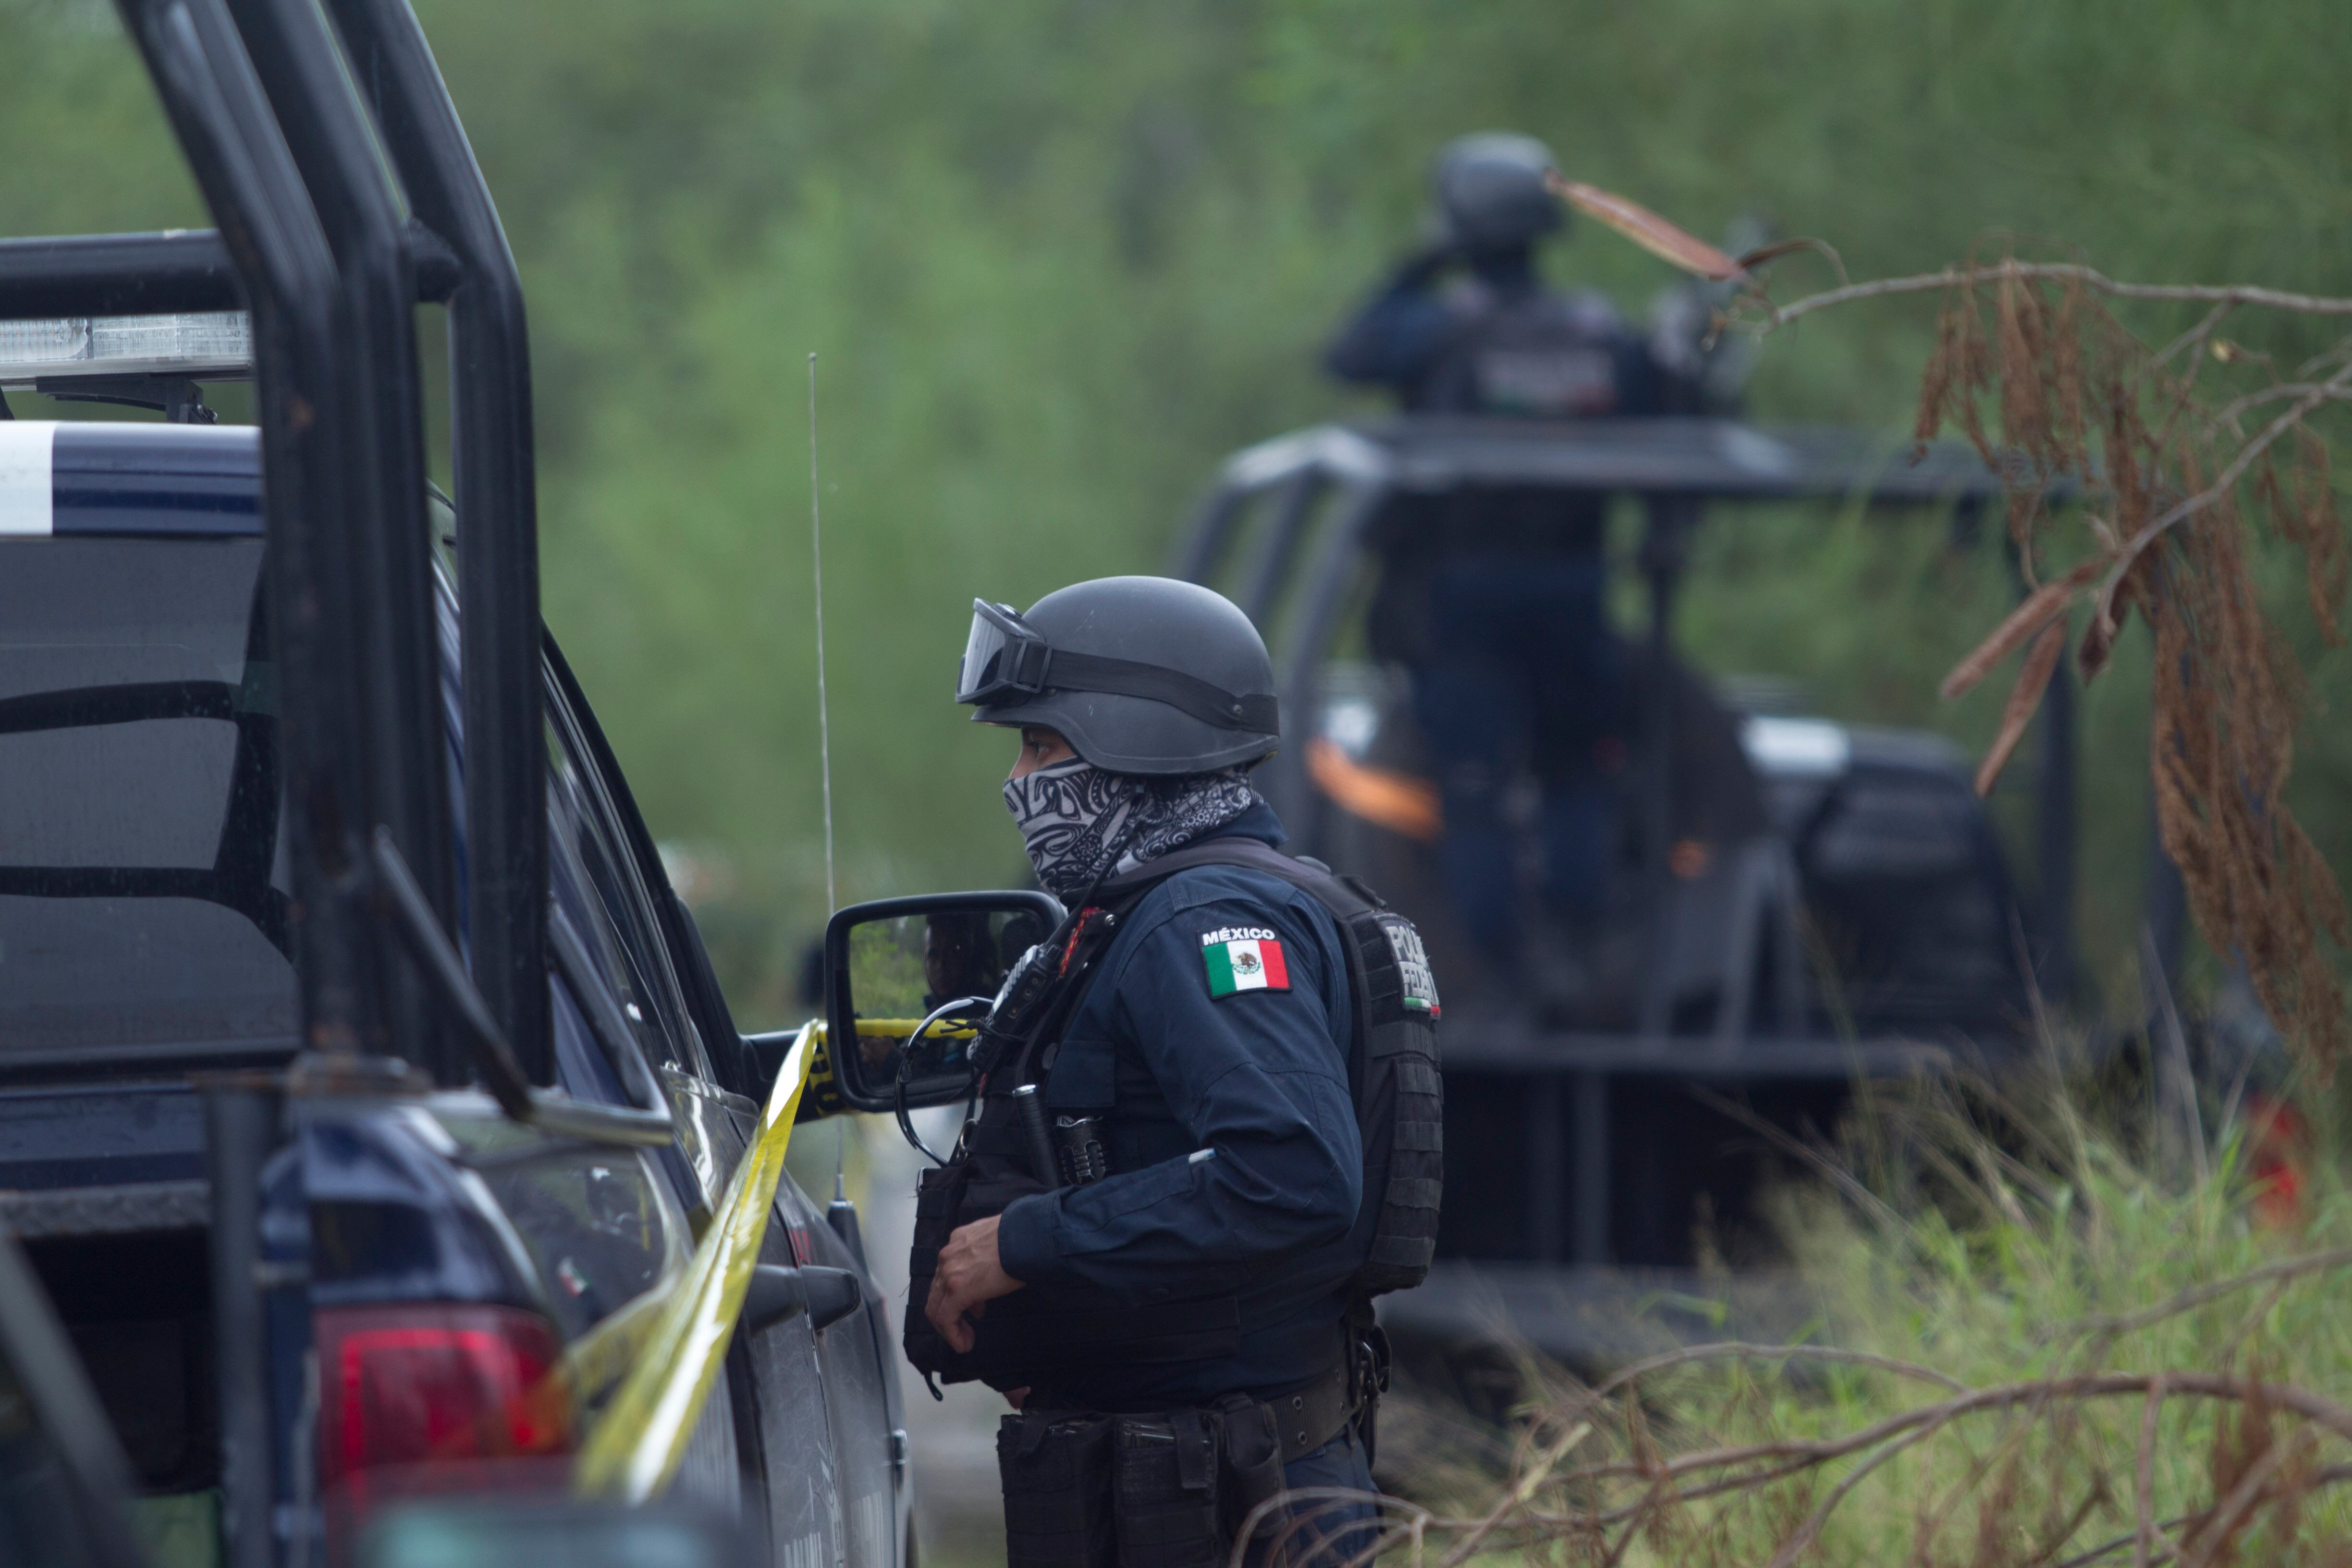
x,y
26,506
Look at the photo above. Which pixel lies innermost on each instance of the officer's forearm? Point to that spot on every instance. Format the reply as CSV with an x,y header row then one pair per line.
x,y
1194,1225
1025,1241
1393,339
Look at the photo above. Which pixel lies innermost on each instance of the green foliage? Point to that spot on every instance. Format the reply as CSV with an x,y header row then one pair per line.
x,y
2036,1246
1056,256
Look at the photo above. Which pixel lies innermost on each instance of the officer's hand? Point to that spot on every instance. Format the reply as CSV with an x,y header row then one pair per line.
x,y
968,1278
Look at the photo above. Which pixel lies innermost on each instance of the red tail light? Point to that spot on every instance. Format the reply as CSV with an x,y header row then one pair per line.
x,y
416,1397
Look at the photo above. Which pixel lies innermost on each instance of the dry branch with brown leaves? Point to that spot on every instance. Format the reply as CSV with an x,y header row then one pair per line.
x,y
2054,390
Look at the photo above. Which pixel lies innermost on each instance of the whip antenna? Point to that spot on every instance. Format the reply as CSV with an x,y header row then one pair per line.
x,y
824,720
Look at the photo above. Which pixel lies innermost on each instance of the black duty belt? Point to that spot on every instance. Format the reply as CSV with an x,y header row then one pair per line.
x,y
1311,1416
1307,1417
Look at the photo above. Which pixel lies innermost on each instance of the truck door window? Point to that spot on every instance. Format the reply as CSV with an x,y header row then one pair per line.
x,y
595,1224
143,874
582,823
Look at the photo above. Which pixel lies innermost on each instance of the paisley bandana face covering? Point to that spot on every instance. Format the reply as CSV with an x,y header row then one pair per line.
x,y
1081,824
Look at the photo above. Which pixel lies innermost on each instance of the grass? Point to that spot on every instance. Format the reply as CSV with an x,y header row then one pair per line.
x,y
2053,1345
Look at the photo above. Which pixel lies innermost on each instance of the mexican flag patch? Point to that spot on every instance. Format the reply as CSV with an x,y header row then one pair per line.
x,y
1244,958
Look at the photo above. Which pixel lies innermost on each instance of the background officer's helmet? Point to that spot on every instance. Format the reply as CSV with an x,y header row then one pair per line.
x,y
1490,193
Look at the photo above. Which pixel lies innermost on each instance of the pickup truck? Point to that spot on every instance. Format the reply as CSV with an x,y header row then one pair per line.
x,y
467,1278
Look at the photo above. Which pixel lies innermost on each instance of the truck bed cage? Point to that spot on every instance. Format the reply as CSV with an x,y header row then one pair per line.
x,y
160,273
327,150
1323,489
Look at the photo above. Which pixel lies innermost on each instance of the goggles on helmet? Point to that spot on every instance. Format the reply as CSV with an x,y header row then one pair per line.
x,y
1005,658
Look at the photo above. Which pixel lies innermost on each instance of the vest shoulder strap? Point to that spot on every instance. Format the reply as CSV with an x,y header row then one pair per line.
x,y
1342,896
1392,1070
1360,914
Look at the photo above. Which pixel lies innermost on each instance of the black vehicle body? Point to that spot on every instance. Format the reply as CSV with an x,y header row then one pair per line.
x,y
64,1491
1596,1159
364,1024
432,1199
67,1497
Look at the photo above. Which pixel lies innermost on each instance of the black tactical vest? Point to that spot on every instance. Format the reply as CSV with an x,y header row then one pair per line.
x,y
1536,354
1031,1338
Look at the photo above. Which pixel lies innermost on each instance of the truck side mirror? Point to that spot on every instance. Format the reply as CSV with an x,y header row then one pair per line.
x,y
907,981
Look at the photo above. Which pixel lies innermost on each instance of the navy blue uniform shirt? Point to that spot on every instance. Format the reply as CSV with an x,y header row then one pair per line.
x,y
1403,337
1237,1164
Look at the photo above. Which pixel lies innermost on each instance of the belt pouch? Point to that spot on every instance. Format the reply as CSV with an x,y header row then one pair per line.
x,y
1252,1467
1166,1469
1057,1473
938,1200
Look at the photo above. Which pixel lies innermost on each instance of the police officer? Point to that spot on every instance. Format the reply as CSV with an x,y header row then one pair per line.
x,y
1493,600
1208,1051
1466,325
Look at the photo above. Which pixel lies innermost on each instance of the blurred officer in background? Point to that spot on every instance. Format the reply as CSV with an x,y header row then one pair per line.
x,y
1494,599
1467,325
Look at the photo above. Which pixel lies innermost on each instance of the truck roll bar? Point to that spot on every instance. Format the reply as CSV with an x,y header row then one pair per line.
x,y
288,275
1314,495
498,520
384,544
118,274
294,138
166,272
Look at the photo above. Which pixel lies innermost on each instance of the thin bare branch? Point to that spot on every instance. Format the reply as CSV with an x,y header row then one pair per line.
x,y
1742,1349
2318,1410
2198,1295
1810,1530
2089,277
2229,412
2144,1476
2071,1527
1516,1495
2339,382
2195,337
2208,1542
2109,1548
1756,257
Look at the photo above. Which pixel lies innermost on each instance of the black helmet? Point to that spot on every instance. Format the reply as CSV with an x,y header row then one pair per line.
x,y
1140,675
1490,191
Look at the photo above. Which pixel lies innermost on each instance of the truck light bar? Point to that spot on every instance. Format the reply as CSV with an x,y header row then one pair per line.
x,y
1809,748
210,346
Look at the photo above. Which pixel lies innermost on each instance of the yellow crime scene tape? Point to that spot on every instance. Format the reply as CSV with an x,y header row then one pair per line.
x,y
674,1339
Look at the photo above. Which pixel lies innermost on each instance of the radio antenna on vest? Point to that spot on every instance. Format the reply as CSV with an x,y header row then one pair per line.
x,y
823,719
